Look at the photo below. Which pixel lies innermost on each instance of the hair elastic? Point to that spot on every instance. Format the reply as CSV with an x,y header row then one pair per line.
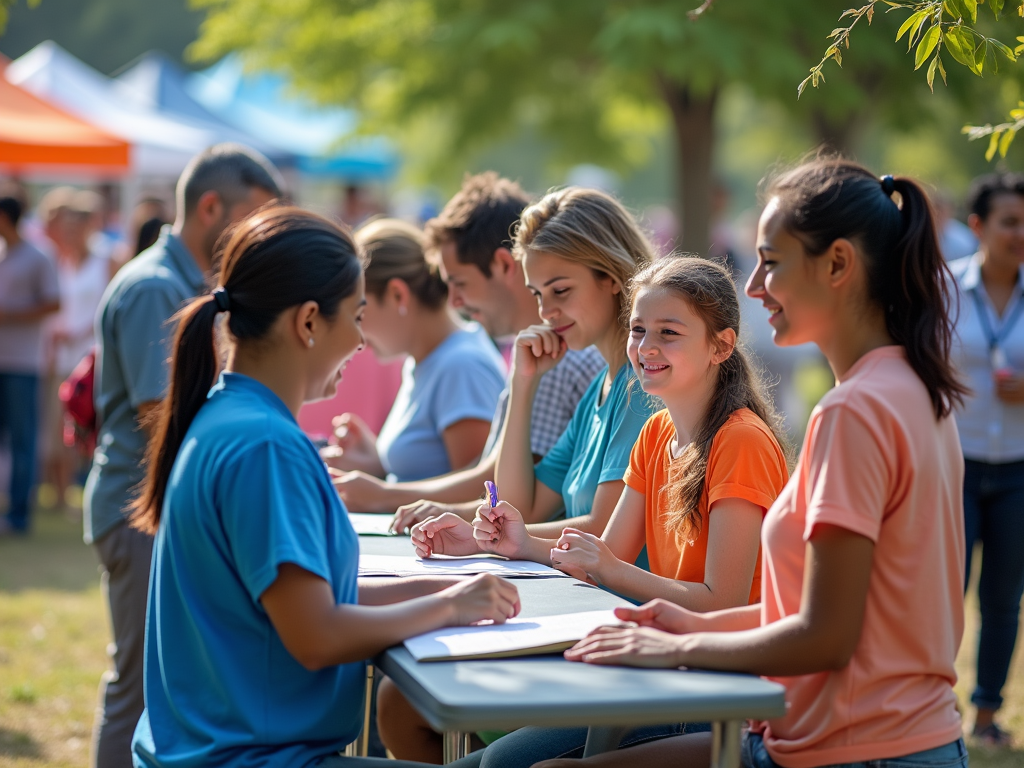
x,y
888,185
223,301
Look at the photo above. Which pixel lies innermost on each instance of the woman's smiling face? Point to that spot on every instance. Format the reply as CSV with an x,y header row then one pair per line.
x,y
787,282
577,304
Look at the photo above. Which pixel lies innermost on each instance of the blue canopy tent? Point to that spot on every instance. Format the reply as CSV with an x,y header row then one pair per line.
x,y
156,83
262,105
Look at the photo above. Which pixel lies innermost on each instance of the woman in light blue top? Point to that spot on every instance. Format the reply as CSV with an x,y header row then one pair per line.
x,y
452,377
258,626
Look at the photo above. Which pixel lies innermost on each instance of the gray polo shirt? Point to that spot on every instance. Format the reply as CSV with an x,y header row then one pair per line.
x,y
133,347
28,279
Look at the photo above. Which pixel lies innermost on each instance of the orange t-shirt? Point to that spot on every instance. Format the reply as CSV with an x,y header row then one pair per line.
x,y
745,462
877,462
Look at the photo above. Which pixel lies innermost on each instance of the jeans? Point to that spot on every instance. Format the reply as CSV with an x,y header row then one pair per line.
x,y
994,515
526,746
952,755
19,420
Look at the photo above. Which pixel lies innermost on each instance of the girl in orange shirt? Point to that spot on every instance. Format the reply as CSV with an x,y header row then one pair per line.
x,y
704,470
862,585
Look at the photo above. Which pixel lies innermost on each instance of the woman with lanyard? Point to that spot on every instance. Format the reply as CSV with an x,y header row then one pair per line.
x,y
990,352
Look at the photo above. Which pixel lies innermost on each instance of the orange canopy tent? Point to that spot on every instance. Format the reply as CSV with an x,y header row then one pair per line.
x,y
35,135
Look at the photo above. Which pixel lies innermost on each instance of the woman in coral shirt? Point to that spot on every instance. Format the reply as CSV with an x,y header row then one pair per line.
x,y
862,581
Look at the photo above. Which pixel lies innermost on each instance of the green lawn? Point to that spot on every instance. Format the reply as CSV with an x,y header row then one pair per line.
x,y
54,632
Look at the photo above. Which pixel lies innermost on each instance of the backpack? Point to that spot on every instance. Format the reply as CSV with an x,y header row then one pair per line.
x,y
79,408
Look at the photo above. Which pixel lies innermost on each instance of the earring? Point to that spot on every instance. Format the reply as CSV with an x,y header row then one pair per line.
x,y
311,342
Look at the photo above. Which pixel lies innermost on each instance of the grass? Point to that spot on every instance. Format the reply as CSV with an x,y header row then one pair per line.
x,y
54,632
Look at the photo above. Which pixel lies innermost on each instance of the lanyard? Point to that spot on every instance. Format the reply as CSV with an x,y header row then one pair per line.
x,y
994,340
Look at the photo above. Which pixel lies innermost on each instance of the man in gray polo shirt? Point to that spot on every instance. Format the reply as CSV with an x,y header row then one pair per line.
x,y
29,292
222,185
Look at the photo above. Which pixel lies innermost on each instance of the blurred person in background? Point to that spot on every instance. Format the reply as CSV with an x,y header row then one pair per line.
x,y
990,353
29,292
143,230
956,239
83,275
220,186
452,377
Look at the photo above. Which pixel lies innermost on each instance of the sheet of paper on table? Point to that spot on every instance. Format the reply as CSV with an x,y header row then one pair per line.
x,y
370,524
396,565
516,637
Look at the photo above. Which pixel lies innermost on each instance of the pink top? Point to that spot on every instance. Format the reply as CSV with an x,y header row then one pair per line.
x,y
875,461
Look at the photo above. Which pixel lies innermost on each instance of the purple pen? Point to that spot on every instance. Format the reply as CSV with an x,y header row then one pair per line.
x,y
492,493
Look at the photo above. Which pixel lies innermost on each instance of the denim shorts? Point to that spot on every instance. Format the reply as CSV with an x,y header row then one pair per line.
x,y
952,755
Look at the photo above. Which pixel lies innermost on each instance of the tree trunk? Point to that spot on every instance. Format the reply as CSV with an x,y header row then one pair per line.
x,y
693,117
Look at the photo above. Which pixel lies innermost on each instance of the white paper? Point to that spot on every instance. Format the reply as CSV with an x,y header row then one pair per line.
x,y
516,637
397,565
369,524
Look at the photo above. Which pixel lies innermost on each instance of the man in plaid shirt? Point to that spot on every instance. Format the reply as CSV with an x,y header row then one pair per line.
x,y
471,239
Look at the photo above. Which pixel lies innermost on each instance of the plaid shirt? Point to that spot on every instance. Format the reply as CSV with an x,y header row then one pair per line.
x,y
558,394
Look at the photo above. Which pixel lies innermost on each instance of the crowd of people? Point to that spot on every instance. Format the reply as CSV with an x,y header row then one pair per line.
x,y
607,390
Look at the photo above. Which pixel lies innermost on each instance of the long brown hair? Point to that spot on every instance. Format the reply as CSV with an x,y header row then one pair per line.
x,y
278,258
709,291
830,198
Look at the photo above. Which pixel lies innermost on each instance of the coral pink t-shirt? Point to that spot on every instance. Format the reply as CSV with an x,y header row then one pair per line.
x,y
877,462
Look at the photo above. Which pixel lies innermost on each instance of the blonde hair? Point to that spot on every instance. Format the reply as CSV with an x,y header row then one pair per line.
x,y
588,227
394,249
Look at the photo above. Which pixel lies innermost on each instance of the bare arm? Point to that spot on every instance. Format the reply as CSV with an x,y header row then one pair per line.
x,y
31,315
464,442
377,590
821,637
734,531
538,349
319,633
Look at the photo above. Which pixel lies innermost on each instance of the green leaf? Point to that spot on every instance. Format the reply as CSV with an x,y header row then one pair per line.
x,y
942,69
928,42
997,6
930,75
1003,49
1004,143
979,56
915,20
961,50
971,6
993,145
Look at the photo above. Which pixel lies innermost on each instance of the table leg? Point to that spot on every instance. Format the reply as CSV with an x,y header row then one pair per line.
x,y
456,746
603,739
725,744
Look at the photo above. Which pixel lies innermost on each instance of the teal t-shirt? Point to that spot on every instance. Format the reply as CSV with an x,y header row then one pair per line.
x,y
247,493
595,447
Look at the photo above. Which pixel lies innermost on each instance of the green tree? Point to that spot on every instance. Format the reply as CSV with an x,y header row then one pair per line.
x,y
597,79
939,31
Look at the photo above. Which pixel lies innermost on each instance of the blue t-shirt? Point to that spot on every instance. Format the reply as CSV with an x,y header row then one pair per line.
x,y
461,379
595,447
247,492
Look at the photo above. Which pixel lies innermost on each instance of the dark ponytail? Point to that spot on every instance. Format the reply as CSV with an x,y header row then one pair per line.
x,y
828,199
277,258
707,287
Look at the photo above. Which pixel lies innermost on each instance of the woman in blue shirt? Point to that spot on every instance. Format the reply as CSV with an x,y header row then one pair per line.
x,y
258,626
452,377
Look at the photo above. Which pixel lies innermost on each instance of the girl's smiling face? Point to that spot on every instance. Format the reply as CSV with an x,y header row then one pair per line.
x,y
577,304
669,346
789,283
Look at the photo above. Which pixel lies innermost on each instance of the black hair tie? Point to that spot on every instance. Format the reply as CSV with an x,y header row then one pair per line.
x,y
888,185
223,302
